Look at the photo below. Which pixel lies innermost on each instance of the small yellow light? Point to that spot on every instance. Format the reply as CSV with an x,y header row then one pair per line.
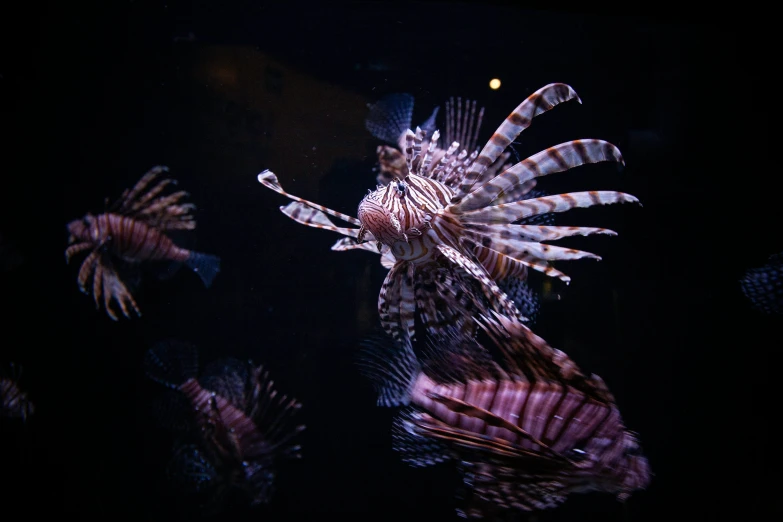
x,y
494,84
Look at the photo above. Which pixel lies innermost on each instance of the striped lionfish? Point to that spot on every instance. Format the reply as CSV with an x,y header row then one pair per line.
x,y
451,245
525,433
389,120
763,286
133,230
240,425
13,401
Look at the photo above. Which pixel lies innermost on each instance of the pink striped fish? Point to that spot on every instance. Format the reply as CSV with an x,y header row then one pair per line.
x,y
450,229
133,231
526,432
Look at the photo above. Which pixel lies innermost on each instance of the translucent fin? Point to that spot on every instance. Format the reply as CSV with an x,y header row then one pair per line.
x,y
764,286
528,301
205,265
414,449
391,367
171,362
390,117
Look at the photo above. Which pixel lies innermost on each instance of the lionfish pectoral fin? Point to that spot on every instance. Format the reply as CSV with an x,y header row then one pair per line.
x,y
171,362
391,366
206,266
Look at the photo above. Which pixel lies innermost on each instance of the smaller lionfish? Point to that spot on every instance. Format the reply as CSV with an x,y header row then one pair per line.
x,y
453,226
525,433
764,285
240,425
132,231
13,401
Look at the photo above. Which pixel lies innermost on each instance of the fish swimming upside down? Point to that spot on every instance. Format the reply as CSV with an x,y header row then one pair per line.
x,y
525,432
452,241
133,231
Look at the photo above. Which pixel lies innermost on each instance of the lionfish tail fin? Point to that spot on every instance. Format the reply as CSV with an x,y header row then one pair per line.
x,y
205,265
171,363
390,366
390,117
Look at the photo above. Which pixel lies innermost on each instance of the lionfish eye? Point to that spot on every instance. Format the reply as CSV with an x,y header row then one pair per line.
x,y
401,187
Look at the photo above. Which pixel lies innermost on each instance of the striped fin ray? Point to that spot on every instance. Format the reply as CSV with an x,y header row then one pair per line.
x,y
491,289
272,415
530,260
499,266
396,302
533,232
125,204
537,103
268,179
549,161
526,354
163,212
510,212
312,217
516,247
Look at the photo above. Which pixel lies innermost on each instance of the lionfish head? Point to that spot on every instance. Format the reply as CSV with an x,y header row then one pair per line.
x,y
391,214
79,229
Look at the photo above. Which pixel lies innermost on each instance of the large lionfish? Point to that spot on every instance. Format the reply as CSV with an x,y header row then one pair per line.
x,y
525,433
133,230
763,286
389,120
13,401
239,425
451,225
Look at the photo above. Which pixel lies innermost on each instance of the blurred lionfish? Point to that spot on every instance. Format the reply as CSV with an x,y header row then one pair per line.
x,y
450,245
764,285
133,230
525,433
389,120
239,425
13,401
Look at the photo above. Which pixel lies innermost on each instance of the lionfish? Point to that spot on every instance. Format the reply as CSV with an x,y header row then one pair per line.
x,y
241,426
389,120
525,433
763,286
451,225
133,230
13,401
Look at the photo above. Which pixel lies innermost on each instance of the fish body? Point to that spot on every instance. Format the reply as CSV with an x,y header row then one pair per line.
x,y
133,231
452,224
243,424
526,432
127,238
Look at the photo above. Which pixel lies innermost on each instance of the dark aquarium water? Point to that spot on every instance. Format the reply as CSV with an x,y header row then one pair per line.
x,y
229,384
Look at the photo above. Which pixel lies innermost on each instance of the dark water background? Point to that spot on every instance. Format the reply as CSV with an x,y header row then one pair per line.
x,y
92,96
